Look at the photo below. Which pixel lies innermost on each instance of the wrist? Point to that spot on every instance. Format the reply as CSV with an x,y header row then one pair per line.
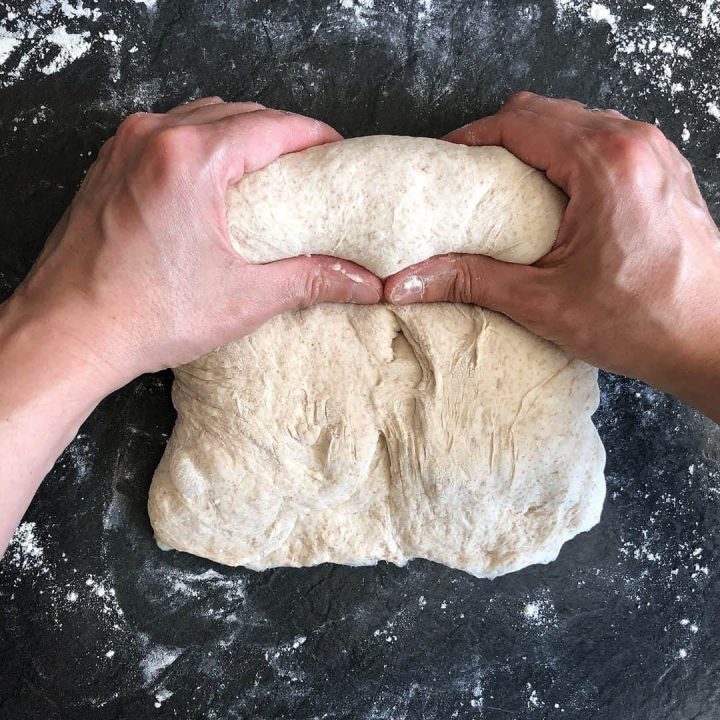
x,y
688,363
61,344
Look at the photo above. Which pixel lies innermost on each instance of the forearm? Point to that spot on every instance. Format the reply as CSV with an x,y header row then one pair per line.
x,y
47,389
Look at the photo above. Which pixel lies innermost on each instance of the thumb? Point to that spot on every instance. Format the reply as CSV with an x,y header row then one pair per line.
x,y
303,281
472,279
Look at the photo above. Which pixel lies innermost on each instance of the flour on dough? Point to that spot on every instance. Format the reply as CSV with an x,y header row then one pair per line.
x,y
352,434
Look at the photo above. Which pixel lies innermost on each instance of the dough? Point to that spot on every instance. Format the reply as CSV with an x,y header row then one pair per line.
x,y
353,434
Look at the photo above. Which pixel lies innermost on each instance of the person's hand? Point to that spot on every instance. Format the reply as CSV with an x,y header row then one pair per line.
x,y
632,284
140,274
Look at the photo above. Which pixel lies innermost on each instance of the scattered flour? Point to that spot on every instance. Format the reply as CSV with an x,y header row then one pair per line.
x,y
47,36
539,612
533,699
663,50
161,696
360,8
600,13
281,660
25,552
158,659
477,700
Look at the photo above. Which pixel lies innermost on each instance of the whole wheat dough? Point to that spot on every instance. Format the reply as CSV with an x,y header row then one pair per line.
x,y
355,434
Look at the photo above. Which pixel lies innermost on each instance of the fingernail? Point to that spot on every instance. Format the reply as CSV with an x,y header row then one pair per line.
x,y
410,290
364,293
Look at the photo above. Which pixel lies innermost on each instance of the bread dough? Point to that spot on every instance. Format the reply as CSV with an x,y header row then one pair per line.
x,y
353,434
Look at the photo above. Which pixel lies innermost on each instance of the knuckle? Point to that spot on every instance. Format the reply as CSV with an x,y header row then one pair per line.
x,y
464,284
171,143
628,154
136,125
649,133
312,288
519,100
167,150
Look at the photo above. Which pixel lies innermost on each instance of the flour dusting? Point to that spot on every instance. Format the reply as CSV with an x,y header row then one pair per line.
x,y
25,552
47,36
663,51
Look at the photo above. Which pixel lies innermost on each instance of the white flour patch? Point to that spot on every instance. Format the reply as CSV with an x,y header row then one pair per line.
x,y
161,696
25,552
600,13
360,8
281,659
227,592
533,700
158,659
49,35
69,46
539,612
8,43
661,49
477,700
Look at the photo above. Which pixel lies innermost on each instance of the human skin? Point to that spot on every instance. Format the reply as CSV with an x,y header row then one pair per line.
x,y
632,284
139,275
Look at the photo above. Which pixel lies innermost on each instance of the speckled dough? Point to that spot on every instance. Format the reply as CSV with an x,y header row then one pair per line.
x,y
355,434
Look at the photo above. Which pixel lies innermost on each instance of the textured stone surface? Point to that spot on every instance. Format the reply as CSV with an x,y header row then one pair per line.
x,y
623,625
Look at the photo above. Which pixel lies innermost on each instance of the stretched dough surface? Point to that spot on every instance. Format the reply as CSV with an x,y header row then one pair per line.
x,y
353,434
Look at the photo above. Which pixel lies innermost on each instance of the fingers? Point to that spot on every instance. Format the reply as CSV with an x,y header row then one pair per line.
x,y
246,136
304,281
194,105
250,141
217,111
561,109
472,279
548,133
539,141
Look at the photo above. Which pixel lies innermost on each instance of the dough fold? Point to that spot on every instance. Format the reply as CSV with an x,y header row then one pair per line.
x,y
353,434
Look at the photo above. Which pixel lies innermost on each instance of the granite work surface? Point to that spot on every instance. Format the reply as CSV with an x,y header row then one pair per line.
x,y
97,623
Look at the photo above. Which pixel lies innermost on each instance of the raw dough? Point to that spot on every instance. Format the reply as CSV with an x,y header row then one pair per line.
x,y
355,434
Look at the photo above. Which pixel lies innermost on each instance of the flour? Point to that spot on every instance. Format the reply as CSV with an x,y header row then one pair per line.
x,y
8,43
360,8
49,35
599,13
25,552
161,696
158,658
477,700
533,700
539,612
280,659
662,50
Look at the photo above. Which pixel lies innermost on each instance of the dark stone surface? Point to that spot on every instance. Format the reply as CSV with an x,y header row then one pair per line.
x,y
96,622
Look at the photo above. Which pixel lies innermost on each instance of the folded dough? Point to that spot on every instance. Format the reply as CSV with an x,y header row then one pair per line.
x,y
354,434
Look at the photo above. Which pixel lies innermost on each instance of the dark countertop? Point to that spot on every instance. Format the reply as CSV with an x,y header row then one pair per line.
x,y
96,622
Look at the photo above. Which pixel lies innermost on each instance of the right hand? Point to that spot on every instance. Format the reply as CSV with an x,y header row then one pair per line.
x,y
632,284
